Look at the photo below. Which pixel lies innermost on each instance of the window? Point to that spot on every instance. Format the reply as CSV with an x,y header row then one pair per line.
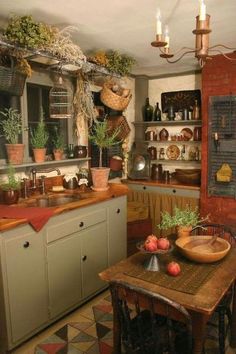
x,y
37,97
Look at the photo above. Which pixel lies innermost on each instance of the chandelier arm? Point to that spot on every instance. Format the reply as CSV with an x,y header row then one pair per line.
x,y
175,61
224,55
221,45
191,50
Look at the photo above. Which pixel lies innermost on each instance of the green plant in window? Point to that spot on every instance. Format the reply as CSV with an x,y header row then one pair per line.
x,y
11,124
39,136
58,139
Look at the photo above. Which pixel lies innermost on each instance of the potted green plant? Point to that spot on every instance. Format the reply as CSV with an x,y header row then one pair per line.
x,y
102,137
184,219
11,125
39,138
58,144
11,187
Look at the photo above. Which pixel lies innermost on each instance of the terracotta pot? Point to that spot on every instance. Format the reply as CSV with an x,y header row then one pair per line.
x,y
10,196
184,231
39,155
58,154
100,177
15,153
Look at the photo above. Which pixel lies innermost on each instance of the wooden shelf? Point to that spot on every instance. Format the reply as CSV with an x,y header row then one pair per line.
x,y
173,123
47,163
170,142
194,162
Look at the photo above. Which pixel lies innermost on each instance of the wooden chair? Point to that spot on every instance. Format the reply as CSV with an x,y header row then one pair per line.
x,y
148,323
224,308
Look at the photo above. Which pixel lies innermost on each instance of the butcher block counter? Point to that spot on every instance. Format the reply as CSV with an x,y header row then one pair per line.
x,y
88,197
45,274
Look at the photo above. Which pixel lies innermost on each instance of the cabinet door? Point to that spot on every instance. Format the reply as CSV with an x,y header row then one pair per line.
x,y
26,281
93,257
64,273
117,230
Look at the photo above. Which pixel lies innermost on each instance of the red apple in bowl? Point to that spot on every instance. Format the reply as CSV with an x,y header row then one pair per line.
x,y
150,246
163,243
173,268
152,238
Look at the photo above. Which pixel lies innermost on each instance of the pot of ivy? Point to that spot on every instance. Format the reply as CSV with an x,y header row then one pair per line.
x,y
11,126
10,187
102,137
58,144
184,220
39,138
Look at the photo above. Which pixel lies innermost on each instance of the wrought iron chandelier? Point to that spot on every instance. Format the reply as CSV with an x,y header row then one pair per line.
x,y
202,50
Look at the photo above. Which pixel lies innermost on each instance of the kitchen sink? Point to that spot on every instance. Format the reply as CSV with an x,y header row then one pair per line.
x,y
52,201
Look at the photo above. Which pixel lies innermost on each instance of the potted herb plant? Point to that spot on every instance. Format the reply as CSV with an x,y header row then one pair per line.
x,y
11,187
184,219
39,138
11,125
102,137
58,144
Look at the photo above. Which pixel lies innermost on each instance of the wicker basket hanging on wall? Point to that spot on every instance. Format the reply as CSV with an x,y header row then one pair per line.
x,y
121,123
112,99
11,80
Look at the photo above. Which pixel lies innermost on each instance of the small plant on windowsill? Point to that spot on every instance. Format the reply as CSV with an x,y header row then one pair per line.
x,y
11,126
39,138
58,144
184,219
102,137
11,186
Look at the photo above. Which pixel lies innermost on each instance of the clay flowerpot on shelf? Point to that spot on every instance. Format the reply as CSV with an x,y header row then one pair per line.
x,y
15,153
39,154
58,154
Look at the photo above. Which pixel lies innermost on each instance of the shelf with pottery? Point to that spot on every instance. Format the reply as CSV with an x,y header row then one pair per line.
x,y
47,163
173,162
168,123
169,142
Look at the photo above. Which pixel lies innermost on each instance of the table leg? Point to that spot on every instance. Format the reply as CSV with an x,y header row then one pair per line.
x,y
233,323
199,322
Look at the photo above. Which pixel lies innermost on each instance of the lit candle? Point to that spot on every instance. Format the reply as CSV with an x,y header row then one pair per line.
x,y
202,15
158,24
216,137
167,37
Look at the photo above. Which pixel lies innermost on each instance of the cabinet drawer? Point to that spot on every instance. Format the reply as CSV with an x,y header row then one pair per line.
x,y
65,224
193,193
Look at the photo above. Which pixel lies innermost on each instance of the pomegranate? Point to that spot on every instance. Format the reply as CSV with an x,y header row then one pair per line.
x,y
163,243
152,238
173,268
150,246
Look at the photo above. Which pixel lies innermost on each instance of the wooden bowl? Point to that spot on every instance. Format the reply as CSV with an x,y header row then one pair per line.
x,y
188,176
199,249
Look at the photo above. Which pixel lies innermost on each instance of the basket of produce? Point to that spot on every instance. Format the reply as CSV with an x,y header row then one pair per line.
x,y
115,97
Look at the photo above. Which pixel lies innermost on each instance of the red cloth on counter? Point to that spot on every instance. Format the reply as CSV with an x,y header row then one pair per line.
x,y
36,217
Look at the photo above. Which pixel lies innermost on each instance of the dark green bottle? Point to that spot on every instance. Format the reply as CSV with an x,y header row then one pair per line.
x,y
157,113
147,111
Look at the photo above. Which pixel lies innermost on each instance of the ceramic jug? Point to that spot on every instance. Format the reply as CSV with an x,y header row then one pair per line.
x,y
163,135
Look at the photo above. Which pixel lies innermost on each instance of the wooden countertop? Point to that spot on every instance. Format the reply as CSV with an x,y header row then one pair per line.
x,y
172,184
88,197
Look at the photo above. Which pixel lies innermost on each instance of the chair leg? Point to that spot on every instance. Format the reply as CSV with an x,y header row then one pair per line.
x,y
221,329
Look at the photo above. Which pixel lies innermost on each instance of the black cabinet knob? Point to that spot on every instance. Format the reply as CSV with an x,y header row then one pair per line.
x,y
174,191
84,258
26,244
81,224
118,211
144,187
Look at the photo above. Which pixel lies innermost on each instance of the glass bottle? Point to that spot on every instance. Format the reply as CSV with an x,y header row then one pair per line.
x,y
157,113
70,151
196,111
147,111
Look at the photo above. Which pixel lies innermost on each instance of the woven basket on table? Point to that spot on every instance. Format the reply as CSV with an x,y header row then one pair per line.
x,y
112,100
11,80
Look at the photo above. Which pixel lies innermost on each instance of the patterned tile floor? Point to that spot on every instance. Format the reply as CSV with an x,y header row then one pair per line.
x,y
78,330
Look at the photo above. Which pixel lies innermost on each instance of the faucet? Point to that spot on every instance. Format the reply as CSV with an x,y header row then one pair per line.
x,y
34,186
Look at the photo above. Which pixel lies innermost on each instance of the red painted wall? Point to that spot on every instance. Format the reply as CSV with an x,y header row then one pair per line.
x,y
218,78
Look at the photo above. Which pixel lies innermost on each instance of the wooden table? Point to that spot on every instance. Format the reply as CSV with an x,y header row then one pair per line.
x,y
200,306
